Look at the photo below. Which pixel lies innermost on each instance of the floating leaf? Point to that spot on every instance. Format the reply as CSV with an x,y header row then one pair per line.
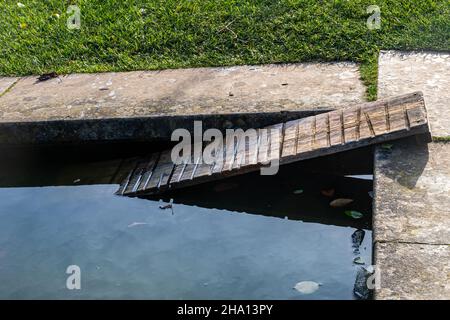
x,y
307,287
298,191
358,260
341,202
354,214
328,192
387,146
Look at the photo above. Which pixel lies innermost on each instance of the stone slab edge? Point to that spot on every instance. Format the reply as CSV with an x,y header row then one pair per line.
x,y
143,129
405,279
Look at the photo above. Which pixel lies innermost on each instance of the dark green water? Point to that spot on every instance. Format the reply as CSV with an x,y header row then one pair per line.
x,y
202,249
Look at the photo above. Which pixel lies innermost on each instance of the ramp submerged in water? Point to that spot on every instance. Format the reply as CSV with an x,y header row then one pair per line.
x,y
306,138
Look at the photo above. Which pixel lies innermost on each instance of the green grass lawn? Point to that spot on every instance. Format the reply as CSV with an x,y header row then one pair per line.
x,y
118,35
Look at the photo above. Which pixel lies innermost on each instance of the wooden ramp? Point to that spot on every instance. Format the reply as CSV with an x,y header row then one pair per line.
x,y
296,140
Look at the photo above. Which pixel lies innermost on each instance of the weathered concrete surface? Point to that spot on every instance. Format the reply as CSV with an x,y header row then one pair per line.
x,y
403,72
183,92
411,217
6,83
412,201
148,105
413,271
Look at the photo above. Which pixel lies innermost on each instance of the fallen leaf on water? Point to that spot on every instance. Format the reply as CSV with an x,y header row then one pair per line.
x,y
298,191
387,146
354,214
358,260
328,192
341,202
307,287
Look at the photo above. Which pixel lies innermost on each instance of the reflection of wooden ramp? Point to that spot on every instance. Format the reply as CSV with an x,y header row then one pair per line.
x,y
306,138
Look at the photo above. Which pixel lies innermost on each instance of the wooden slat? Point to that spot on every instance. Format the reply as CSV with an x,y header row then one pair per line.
x,y
306,138
290,138
263,145
322,136
276,141
161,173
148,171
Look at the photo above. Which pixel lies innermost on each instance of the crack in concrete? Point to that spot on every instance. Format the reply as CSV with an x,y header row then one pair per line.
x,y
10,87
410,242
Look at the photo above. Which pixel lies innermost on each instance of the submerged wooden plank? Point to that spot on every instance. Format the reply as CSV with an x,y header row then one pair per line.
x,y
315,136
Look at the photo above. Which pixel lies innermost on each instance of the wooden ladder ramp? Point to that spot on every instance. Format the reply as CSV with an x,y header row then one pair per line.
x,y
327,133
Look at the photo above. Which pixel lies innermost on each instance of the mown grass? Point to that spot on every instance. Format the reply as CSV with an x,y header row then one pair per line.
x,y
154,34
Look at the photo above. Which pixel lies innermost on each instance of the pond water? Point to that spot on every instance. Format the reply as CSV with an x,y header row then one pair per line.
x,y
247,237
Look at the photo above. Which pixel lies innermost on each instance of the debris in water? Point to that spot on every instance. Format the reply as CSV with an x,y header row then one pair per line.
x,y
387,146
328,192
358,237
135,224
358,260
298,191
360,289
354,214
167,206
307,287
340,202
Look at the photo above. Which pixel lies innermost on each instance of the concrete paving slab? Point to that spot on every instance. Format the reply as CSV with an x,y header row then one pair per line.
x,y
265,88
6,83
412,193
413,271
429,72
411,217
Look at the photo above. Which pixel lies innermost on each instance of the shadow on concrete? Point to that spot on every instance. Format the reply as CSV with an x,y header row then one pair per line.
x,y
404,162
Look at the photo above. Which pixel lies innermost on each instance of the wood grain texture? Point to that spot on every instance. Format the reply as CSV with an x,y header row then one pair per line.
x,y
315,136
